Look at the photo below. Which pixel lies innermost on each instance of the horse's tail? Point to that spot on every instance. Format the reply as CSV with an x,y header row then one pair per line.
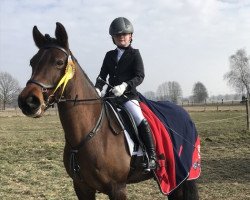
x,y
190,190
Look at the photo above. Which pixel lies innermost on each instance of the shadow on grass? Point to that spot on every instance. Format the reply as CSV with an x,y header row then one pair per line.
x,y
226,170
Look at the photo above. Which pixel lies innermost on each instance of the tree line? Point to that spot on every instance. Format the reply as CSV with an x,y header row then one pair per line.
x,y
171,91
237,77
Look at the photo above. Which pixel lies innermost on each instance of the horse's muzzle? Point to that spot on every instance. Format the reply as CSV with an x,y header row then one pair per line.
x,y
30,105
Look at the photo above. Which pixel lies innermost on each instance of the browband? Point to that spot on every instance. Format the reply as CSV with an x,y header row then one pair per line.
x,y
57,47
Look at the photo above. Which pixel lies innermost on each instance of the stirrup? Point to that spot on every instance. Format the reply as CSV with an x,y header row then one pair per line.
x,y
150,166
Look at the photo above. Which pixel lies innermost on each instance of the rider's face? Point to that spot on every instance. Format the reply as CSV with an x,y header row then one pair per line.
x,y
123,40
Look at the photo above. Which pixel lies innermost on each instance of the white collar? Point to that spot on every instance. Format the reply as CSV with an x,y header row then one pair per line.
x,y
120,50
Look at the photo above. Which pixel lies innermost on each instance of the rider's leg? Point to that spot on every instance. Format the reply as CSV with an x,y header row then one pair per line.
x,y
147,139
144,131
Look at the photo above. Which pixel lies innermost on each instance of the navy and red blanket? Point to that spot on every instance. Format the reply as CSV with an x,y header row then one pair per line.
x,y
177,143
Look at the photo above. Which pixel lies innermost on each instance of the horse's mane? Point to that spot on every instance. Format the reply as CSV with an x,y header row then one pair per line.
x,y
88,79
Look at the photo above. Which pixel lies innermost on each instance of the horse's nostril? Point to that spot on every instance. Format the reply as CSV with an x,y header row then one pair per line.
x,y
33,102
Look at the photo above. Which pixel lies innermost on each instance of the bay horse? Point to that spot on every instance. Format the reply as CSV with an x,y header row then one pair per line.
x,y
94,157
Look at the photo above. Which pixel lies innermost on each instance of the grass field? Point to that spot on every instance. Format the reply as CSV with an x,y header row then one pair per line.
x,y
31,160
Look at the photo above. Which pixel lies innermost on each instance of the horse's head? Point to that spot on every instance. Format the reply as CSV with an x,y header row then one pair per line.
x,y
48,68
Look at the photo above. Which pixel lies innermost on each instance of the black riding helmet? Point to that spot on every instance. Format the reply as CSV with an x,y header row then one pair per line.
x,y
120,25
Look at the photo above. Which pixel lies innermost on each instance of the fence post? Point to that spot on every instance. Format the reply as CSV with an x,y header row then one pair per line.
x,y
205,105
247,111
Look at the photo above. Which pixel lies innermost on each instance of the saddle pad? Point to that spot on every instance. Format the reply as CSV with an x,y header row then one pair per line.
x,y
131,145
130,142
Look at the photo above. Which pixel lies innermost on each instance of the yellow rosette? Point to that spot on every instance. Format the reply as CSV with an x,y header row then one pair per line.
x,y
69,74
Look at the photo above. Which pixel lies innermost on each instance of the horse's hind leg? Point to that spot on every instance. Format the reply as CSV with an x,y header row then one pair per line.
x,y
186,191
118,192
83,192
177,194
190,190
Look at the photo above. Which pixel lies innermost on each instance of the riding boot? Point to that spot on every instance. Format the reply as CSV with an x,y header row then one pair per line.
x,y
146,137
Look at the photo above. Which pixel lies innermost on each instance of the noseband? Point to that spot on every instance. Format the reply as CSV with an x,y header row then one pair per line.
x,y
44,87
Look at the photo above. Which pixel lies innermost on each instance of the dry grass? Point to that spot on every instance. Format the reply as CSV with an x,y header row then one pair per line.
x,y
31,160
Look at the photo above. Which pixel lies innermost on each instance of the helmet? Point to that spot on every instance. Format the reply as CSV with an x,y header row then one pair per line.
x,y
120,25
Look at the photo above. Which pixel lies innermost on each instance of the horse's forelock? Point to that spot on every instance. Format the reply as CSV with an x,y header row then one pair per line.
x,y
50,41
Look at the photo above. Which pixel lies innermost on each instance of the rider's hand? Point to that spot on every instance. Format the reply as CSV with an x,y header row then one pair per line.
x,y
98,92
119,89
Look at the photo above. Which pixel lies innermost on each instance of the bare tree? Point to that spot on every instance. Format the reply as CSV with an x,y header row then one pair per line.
x,y
9,88
175,91
162,92
169,91
239,73
199,92
150,95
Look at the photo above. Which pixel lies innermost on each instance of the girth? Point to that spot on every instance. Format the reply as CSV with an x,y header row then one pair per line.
x,y
74,166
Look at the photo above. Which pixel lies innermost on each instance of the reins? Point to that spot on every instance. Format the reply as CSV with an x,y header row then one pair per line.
x,y
51,99
75,100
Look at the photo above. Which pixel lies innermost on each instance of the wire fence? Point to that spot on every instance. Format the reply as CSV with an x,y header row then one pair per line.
x,y
214,106
221,120
242,106
190,107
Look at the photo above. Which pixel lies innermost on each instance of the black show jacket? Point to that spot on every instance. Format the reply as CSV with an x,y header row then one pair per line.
x,y
129,69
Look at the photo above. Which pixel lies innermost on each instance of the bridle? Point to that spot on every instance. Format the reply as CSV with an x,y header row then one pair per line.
x,y
50,100
45,88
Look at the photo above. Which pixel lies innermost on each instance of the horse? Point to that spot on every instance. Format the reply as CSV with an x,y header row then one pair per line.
x,y
94,157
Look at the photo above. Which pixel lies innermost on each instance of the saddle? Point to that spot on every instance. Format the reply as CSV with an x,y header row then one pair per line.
x,y
126,122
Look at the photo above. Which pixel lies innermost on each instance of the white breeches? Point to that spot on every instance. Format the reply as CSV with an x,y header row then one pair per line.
x,y
134,108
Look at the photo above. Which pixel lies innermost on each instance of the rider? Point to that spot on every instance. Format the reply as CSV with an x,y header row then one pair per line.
x,y
125,68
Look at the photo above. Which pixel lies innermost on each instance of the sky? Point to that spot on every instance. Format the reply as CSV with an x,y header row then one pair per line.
x,y
179,40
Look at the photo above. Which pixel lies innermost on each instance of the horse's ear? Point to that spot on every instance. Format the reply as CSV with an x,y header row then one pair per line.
x,y
61,35
38,37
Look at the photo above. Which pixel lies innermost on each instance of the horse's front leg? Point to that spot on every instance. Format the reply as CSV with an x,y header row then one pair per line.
x,y
84,192
118,192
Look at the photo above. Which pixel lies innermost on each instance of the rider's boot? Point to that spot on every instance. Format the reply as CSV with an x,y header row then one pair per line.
x,y
147,138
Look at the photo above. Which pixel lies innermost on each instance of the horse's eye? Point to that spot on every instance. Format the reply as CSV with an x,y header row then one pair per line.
x,y
59,63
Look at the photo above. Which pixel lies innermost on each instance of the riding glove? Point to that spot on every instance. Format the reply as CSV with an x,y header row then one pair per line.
x,y
119,89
